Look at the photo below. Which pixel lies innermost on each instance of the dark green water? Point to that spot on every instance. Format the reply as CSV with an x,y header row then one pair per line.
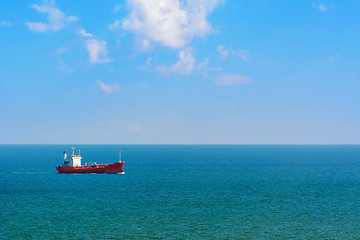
x,y
183,192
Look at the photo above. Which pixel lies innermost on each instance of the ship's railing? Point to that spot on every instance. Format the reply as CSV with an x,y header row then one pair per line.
x,y
96,164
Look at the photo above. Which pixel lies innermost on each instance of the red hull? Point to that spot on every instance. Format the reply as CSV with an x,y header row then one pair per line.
x,y
109,168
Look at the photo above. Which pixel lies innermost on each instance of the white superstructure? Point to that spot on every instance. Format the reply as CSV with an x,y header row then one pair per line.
x,y
76,159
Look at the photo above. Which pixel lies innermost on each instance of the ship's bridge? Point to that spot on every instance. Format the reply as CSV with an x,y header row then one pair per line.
x,y
76,159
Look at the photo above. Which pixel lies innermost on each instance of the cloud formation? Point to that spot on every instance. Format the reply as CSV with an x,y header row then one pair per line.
x,y
203,64
4,24
172,23
63,67
138,129
97,51
185,65
117,7
56,18
107,87
321,7
232,79
224,53
334,58
170,112
84,33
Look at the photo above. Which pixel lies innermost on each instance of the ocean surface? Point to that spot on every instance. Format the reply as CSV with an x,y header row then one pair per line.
x,y
182,192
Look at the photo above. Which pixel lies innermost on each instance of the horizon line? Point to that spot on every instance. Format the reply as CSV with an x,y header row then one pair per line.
x,y
200,144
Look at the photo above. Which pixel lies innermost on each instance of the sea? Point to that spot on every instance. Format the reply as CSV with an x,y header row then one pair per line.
x,y
183,192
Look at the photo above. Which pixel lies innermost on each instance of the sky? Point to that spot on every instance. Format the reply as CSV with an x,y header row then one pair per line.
x,y
180,72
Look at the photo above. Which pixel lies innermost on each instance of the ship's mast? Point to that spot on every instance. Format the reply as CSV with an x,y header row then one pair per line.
x,y
73,150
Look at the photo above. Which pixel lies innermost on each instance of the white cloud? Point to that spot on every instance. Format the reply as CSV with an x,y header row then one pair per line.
x,y
145,44
97,51
170,112
185,65
142,85
56,18
321,7
171,23
115,25
334,58
244,55
224,53
202,64
203,67
148,61
4,24
60,50
138,129
232,79
117,7
107,87
84,33
63,67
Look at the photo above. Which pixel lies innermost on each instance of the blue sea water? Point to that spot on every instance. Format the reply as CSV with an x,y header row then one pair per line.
x,y
182,192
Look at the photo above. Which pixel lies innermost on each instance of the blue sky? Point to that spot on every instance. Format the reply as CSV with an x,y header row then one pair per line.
x,y
188,72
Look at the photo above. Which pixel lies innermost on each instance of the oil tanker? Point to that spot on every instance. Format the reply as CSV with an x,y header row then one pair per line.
x,y
72,164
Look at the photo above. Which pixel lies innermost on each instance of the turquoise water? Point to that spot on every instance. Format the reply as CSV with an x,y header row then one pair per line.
x,y
182,192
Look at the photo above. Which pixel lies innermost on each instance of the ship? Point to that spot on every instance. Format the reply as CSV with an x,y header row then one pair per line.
x,y
72,164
